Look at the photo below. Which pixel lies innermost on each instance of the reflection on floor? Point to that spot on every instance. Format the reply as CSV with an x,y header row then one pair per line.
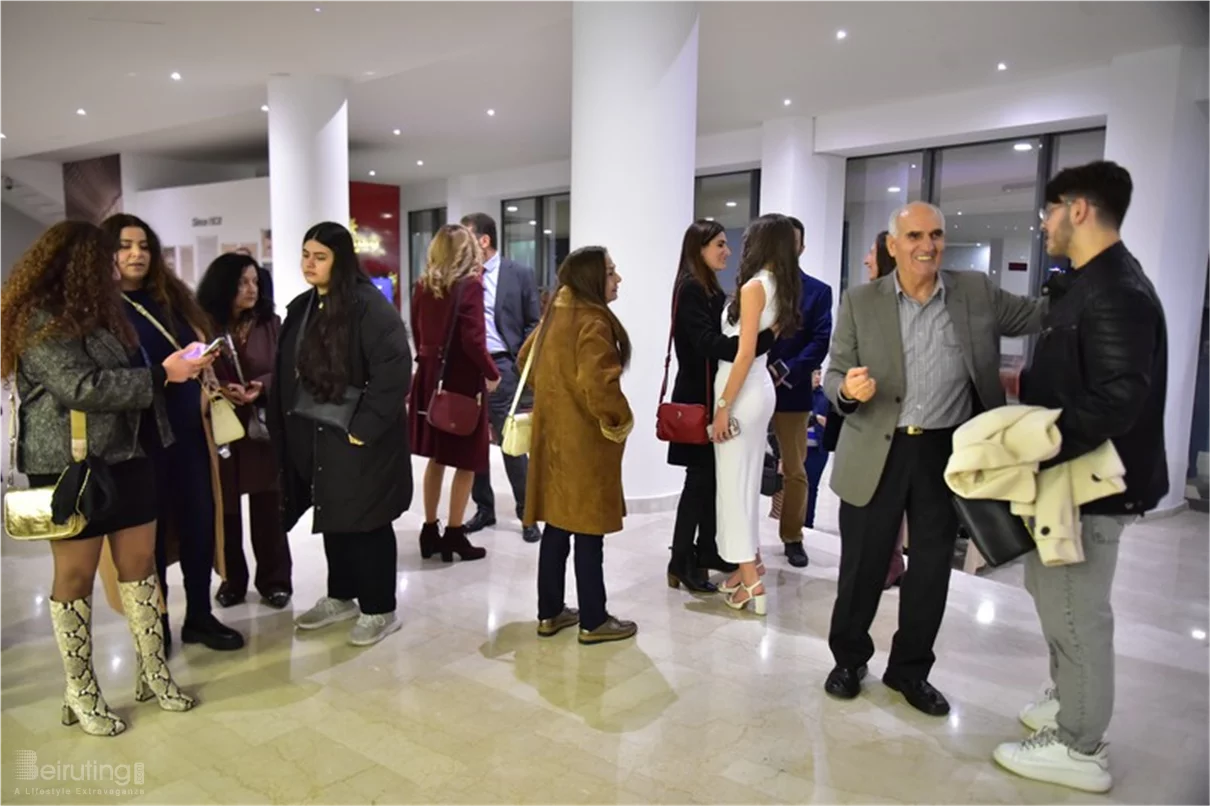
x,y
466,705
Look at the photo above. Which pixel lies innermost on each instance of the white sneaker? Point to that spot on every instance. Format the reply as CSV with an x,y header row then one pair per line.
x,y
1042,713
371,629
1044,757
327,611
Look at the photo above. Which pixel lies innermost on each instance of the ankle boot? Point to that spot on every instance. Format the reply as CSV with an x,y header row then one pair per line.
x,y
430,539
82,700
142,615
683,570
455,542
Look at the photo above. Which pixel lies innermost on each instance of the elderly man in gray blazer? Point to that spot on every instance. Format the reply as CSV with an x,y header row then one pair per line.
x,y
914,355
511,312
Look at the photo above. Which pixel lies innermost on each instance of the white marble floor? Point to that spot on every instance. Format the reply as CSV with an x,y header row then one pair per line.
x,y
466,705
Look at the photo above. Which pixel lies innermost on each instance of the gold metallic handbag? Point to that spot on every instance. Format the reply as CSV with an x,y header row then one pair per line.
x,y
518,428
28,513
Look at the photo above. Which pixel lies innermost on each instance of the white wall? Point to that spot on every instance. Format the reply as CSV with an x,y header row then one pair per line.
x,y
17,233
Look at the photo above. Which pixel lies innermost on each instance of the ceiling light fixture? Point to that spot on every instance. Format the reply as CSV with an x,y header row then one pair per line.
x,y
1198,635
709,218
81,112
397,132
491,113
1023,147
842,34
371,73
512,208
1001,67
548,232
175,76
420,162
786,102
979,245
959,212
913,165
264,107
533,223
318,9
373,173
894,189
732,204
3,136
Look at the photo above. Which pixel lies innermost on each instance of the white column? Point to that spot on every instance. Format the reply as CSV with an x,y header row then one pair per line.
x,y
1158,132
308,168
634,124
796,181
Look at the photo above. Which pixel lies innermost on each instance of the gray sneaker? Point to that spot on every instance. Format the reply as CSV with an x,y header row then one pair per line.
x,y
327,611
372,629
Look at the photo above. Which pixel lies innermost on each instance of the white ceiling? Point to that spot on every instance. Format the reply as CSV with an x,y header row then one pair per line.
x,y
433,69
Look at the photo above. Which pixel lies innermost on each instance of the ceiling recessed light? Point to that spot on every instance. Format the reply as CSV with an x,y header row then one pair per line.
x,y
787,102
894,189
1031,229
1199,635
512,208
978,244
732,204
371,73
420,162
81,112
1001,67
373,173
842,34
533,223
3,136
548,232
1023,147
318,9
264,107
709,218
913,165
397,132
175,76
959,212
491,113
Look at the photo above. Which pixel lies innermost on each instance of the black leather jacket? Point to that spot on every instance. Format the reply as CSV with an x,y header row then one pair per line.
x,y
1102,358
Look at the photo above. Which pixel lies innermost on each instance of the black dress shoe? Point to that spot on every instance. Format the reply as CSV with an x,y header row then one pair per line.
x,y
227,597
531,534
797,554
717,563
481,521
844,682
920,694
278,599
212,633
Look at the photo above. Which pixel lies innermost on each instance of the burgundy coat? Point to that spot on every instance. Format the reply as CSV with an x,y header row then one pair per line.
x,y
467,372
252,466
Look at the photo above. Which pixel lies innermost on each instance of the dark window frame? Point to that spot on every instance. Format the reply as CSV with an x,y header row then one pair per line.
x,y
541,247
439,220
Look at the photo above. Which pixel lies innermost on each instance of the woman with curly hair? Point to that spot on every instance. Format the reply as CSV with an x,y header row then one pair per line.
x,y
71,348
242,311
449,296
164,313
338,416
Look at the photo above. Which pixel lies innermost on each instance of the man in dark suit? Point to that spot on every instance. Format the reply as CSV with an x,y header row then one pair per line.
x,y
800,354
916,354
511,311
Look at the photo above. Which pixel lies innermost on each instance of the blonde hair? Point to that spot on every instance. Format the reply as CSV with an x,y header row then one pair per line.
x,y
454,254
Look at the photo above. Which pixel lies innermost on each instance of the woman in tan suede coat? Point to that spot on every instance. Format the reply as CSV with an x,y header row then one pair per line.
x,y
580,423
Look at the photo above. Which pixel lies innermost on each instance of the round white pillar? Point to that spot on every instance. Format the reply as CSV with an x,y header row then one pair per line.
x,y
308,168
633,141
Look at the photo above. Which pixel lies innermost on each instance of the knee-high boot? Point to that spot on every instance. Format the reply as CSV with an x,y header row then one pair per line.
x,y
154,680
82,700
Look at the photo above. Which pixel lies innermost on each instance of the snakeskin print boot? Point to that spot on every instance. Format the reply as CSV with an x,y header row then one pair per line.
x,y
154,680
82,700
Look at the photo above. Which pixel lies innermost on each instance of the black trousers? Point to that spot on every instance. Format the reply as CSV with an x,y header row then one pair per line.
x,y
361,566
912,481
517,467
696,515
590,575
269,545
186,505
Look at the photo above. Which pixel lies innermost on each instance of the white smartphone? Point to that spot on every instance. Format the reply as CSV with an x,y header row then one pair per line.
x,y
209,349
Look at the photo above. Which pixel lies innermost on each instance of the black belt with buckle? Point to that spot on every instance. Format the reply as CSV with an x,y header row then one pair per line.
x,y
504,354
910,430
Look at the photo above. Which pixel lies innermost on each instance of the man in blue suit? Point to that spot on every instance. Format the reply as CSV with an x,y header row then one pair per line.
x,y
511,311
799,355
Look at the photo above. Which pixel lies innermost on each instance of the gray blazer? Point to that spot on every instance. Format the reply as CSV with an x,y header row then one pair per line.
x,y
866,334
93,375
517,306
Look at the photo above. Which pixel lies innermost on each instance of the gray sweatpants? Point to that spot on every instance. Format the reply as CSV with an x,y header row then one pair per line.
x,y
1077,623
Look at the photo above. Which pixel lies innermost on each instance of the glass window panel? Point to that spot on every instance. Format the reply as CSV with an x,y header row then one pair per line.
x,y
519,239
733,201
1077,148
422,226
874,188
556,238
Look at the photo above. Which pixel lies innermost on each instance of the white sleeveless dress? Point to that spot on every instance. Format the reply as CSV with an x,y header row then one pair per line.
x,y
740,462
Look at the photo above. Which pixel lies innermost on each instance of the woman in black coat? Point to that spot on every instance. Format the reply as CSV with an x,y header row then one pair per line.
x,y
697,334
338,418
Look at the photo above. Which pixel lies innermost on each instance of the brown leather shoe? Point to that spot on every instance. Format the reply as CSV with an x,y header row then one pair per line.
x,y
613,629
548,627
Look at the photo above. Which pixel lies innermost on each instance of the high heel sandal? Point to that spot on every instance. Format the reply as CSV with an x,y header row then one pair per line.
x,y
430,539
758,600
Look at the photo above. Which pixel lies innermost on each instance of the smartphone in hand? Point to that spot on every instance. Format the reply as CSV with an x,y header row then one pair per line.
x,y
201,352
780,372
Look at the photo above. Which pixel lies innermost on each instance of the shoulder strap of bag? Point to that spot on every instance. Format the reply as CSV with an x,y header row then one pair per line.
x,y
235,358
146,314
449,333
529,362
676,301
79,433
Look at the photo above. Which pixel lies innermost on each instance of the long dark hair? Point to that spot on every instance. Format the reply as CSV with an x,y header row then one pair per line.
x,y
882,255
220,285
174,297
769,242
323,357
697,237
583,274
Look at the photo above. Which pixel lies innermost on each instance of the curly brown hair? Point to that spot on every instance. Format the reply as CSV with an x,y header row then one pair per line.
x,y
69,274
166,288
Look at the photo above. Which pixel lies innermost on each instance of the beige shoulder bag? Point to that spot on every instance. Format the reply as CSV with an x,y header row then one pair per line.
x,y
518,428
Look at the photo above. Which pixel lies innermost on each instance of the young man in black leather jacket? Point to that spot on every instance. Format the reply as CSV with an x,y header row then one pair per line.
x,y
1102,359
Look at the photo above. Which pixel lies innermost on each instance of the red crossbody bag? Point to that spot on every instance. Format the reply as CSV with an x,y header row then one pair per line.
x,y
682,423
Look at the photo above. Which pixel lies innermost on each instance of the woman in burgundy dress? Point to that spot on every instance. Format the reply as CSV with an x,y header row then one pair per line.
x,y
242,309
450,295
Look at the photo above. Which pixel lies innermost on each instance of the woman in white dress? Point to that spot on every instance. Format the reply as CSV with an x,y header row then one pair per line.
x,y
769,286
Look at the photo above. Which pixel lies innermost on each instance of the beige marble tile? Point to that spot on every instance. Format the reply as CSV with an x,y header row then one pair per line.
x,y
467,705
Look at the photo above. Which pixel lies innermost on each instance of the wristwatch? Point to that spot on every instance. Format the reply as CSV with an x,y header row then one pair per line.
x,y
722,402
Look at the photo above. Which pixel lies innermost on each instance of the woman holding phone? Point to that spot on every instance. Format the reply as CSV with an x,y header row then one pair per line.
x,y
768,289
